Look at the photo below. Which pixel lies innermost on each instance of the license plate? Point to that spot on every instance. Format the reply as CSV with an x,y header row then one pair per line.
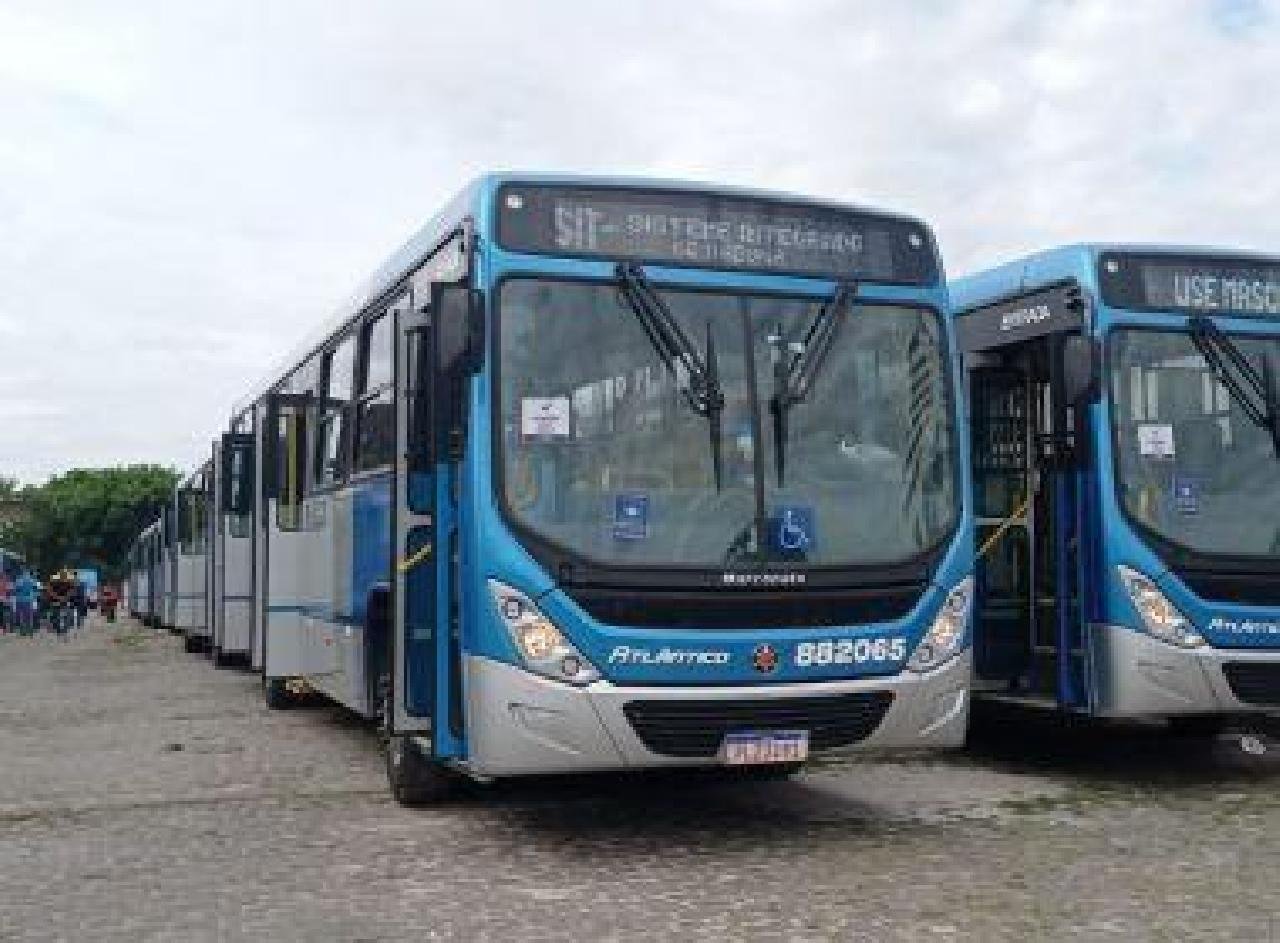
x,y
757,748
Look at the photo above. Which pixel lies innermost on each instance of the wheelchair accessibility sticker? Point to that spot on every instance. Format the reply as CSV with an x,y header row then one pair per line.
x,y
793,529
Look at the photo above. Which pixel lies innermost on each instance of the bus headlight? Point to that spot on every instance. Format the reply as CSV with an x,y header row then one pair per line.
x,y
541,645
946,636
1160,617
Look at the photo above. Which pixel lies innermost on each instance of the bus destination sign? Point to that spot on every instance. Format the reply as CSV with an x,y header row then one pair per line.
x,y
1200,284
714,231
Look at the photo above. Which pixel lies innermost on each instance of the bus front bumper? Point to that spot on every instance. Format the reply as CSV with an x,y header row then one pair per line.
x,y
520,723
1135,675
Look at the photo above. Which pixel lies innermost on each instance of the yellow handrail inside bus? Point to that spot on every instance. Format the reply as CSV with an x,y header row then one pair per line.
x,y
421,554
1000,531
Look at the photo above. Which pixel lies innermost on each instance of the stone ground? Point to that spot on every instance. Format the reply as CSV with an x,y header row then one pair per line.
x,y
145,795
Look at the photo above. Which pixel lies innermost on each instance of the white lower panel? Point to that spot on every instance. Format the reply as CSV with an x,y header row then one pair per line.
x,y
518,722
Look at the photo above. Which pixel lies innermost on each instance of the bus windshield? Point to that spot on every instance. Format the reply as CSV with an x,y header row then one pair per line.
x,y
1191,466
603,457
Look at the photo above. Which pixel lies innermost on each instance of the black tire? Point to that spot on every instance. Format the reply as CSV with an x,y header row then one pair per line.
x,y
222,660
191,644
275,694
413,778
416,780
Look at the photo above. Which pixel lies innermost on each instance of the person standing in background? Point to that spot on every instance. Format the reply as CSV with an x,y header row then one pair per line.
x,y
6,602
80,602
25,593
61,613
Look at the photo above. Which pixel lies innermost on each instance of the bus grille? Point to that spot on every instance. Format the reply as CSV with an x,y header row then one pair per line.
x,y
1251,589
1254,682
692,729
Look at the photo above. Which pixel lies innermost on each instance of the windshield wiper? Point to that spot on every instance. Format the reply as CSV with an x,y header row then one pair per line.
x,y
697,378
1254,391
794,371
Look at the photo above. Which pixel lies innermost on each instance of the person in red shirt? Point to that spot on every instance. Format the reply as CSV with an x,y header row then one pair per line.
x,y
108,599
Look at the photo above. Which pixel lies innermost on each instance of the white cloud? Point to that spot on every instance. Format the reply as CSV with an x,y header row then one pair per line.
x,y
185,190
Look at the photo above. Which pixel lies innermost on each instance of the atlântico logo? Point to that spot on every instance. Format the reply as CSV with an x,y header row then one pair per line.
x,y
765,658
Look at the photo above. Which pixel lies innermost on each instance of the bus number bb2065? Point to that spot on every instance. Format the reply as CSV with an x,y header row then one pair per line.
x,y
847,651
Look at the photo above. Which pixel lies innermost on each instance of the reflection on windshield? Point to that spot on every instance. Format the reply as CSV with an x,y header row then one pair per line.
x,y
1191,466
601,457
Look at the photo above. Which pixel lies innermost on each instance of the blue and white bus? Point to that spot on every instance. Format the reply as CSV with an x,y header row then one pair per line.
x,y
1126,448
190,559
231,599
145,583
605,474
133,579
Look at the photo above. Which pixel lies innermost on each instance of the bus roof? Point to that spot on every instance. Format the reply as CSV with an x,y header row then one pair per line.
x,y
1074,260
471,201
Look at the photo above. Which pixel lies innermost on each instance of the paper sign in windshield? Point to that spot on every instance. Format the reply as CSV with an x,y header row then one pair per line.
x,y
545,417
631,517
1156,440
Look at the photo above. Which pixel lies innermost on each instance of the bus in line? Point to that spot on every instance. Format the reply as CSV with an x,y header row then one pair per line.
x,y
1125,433
231,602
190,559
146,581
597,474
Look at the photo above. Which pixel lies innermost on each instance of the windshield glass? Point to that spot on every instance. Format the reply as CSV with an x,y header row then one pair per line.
x,y
1190,465
602,456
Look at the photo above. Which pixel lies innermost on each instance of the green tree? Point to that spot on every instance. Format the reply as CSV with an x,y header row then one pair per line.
x,y
88,517
12,503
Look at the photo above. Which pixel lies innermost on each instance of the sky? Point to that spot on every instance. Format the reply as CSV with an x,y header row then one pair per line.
x,y
188,189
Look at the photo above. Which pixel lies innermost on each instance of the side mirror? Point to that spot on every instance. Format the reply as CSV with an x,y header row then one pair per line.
x,y
1080,370
459,329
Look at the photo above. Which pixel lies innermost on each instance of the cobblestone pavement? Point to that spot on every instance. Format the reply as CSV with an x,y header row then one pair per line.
x,y
145,795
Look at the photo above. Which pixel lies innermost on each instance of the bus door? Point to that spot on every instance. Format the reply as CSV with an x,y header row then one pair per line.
x,y
217,549
259,530
236,576
1000,430
432,338
284,473
1031,372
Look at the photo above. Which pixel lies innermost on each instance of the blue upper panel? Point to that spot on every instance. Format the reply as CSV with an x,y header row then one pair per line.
x,y
1077,261
476,202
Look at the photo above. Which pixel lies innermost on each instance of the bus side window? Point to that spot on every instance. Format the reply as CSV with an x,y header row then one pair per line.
x,y
375,414
187,522
331,433
240,484
292,454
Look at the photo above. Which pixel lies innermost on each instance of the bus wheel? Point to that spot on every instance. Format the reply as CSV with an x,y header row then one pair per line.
x,y
415,780
191,644
276,694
